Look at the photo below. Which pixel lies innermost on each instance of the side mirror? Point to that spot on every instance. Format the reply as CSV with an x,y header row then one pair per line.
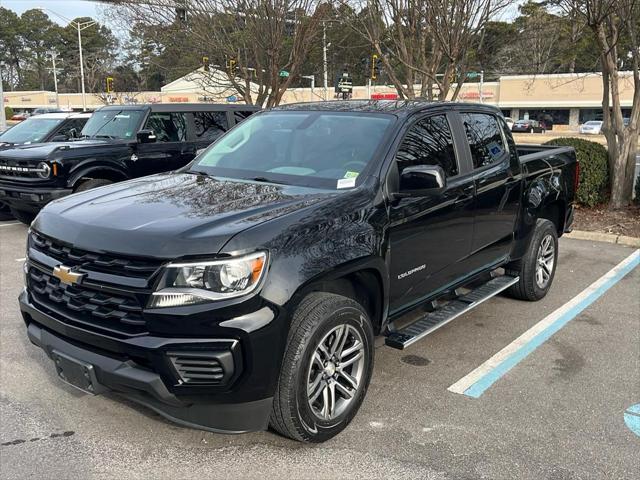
x,y
421,180
146,136
60,138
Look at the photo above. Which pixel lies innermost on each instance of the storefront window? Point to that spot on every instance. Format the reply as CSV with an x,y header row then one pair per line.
x,y
549,117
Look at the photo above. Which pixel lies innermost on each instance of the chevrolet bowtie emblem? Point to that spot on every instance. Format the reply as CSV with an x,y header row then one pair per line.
x,y
66,275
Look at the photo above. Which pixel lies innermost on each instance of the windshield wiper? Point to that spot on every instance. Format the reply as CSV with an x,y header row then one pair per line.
x,y
268,180
198,172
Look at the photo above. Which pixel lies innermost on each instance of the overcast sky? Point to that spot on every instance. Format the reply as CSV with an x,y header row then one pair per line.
x,y
68,8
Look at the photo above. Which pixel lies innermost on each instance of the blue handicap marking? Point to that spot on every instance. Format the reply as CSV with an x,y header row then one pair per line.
x,y
632,418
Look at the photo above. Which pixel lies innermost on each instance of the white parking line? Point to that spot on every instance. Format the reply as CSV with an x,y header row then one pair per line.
x,y
9,224
476,382
21,259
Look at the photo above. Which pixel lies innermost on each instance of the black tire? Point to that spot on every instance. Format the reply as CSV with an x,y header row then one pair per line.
x,y
23,216
93,183
528,287
5,212
314,320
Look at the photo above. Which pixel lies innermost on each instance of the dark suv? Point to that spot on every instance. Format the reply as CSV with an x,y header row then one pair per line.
x,y
117,143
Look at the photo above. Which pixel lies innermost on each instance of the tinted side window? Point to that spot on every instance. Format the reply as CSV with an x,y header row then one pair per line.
x,y
485,139
428,142
69,125
210,125
239,115
168,127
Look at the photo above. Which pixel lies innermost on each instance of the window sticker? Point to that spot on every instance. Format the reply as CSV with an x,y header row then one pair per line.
x,y
495,150
351,174
347,182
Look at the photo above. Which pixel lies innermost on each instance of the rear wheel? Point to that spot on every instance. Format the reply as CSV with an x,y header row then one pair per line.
x,y
23,216
326,368
538,266
93,183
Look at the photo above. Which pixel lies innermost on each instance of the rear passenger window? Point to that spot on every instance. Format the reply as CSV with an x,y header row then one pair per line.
x,y
239,115
168,126
485,138
428,142
210,125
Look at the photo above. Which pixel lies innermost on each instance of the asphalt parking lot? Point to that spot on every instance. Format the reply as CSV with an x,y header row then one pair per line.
x,y
558,414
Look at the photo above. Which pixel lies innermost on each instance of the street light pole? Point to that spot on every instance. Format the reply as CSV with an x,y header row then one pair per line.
x,y
324,59
79,26
3,118
54,55
84,100
481,85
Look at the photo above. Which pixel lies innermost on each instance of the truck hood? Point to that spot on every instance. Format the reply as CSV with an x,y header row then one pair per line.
x,y
44,150
169,215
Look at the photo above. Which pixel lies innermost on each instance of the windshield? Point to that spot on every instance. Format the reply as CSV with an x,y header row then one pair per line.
x,y
318,149
522,122
31,130
122,124
593,123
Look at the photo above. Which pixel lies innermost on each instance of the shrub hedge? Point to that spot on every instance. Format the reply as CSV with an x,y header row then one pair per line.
x,y
594,170
8,112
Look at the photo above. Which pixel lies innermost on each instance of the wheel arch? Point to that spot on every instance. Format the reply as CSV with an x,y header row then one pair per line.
x,y
98,171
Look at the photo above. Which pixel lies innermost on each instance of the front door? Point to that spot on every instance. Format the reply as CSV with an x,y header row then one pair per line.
x,y
430,237
166,153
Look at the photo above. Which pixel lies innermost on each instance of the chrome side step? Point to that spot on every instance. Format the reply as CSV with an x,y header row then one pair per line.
x,y
432,321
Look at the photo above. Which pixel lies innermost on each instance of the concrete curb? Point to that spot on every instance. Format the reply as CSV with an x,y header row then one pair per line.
x,y
604,237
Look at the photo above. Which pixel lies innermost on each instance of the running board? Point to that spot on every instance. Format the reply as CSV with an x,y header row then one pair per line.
x,y
432,321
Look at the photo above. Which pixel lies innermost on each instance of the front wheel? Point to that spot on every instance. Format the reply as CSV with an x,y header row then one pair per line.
x,y
538,266
326,368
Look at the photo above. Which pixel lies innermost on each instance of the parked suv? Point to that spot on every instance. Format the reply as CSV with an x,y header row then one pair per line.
x,y
117,143
48,127
245,290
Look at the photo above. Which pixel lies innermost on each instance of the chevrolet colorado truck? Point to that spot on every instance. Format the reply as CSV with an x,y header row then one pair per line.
x,y
245,290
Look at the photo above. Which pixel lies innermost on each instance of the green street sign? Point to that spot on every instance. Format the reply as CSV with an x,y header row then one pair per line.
x,y
283,73
472,74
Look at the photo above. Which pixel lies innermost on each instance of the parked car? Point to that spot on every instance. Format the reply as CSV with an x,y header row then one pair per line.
x,y
117,143
43,110
48,127
530,126
592,127
245,289
509,121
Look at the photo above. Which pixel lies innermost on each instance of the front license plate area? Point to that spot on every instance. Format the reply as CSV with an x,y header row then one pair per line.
x,y
76,373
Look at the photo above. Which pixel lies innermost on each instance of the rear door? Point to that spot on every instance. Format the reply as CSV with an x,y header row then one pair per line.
x,y
430,237
167,152
496,175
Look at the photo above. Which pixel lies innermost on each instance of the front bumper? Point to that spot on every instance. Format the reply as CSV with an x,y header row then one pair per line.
x,y
120,367
30,199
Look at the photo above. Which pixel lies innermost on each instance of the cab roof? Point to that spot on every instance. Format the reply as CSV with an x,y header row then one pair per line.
x,y
397,107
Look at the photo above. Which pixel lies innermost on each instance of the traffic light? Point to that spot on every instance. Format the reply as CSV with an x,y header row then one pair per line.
x,y
205,63
181,14
376,64
231,66
109,84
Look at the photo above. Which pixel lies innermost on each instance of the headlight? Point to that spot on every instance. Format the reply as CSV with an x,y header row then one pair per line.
x,y
198,282
43,170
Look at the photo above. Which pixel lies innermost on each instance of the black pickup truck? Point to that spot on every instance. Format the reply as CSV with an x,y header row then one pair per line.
x,y
119,142
246,289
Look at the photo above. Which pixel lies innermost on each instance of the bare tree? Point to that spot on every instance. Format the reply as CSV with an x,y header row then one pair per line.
x,y
430,42
616,25
259,45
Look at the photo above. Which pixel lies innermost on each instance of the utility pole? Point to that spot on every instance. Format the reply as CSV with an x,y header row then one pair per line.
x,y
79,26
481,85
324,59
3,118
54,55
